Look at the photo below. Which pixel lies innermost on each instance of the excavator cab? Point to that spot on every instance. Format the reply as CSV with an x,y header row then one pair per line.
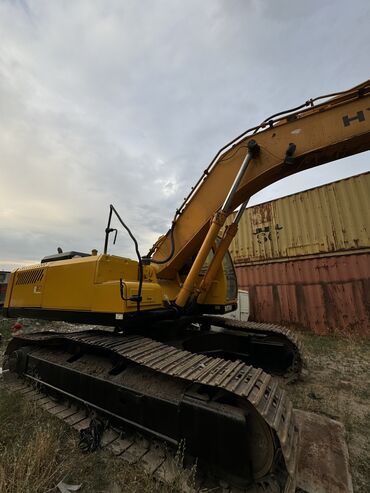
x,y
222,296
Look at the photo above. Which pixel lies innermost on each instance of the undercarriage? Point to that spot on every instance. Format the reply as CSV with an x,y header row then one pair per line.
x,y
200,389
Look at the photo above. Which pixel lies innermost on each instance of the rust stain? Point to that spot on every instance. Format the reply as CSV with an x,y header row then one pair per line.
x,y
330,218
262,214
323,461
325,295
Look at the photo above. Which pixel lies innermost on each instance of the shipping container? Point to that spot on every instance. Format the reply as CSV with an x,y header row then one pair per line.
x,y
333,218
4,276
322,294
242,309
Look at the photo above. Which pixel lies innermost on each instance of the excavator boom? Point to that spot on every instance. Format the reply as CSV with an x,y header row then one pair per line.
x,y
289,142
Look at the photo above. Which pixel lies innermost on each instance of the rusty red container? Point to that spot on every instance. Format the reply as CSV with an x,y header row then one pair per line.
x,y
322,294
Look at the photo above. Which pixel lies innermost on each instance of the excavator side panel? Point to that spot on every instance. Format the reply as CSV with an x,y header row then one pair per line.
x,y
85,289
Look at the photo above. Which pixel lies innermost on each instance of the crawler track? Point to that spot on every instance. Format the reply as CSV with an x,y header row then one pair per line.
x,y
269,333
156,459
208,396
163,463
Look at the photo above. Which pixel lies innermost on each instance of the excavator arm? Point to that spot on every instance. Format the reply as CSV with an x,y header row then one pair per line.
x,y
325,129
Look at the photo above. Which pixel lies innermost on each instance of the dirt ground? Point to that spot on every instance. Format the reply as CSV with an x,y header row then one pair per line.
x,y
336,384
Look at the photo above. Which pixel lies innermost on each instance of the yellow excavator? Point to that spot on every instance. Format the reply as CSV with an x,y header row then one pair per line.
x,y
172,368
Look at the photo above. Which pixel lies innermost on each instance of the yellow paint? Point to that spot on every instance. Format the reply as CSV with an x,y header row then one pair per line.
x,y
320,136
216,262
65,281
87,283
92,284
187,288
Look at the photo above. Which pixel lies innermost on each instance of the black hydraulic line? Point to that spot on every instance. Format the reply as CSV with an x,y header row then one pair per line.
x,y
270,120
254,129
108,230
172,251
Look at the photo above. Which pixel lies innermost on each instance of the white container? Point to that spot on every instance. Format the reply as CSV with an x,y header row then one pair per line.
x,y
242,312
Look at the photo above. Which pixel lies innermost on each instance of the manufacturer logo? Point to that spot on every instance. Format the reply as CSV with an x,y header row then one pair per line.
x,y
360,117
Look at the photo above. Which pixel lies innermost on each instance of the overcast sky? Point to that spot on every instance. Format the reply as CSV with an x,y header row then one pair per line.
x,y
126,102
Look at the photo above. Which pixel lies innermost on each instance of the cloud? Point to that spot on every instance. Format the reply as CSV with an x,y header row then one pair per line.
x,y
127,102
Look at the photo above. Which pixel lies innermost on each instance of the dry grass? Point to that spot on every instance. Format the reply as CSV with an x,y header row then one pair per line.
x,y
30,453
37,451
337,385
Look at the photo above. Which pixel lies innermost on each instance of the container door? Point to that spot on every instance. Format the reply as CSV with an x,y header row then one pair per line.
x,y
243,305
